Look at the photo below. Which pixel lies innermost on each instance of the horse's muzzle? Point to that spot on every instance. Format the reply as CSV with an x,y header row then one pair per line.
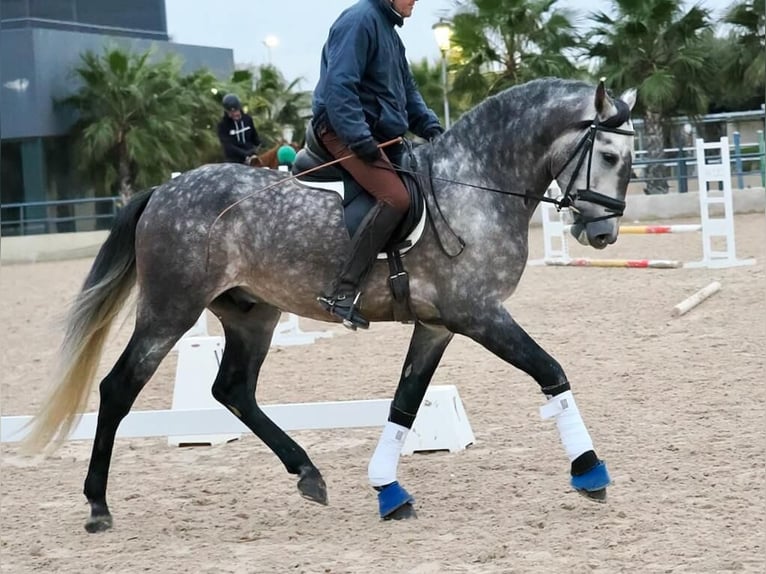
x,y
596,234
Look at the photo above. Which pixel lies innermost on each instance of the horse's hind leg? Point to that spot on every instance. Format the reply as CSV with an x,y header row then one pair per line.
x,y
426,349
118,391
248,328
495,329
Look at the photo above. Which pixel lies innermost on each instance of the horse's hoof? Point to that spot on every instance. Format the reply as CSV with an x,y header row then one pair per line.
x,y
99,523
594,495
593,483
311,485
393,498
404,512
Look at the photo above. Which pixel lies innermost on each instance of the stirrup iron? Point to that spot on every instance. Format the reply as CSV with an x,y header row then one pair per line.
x,y
351,318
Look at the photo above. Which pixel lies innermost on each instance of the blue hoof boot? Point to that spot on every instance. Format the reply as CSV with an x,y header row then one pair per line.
x,y
391,498
593,483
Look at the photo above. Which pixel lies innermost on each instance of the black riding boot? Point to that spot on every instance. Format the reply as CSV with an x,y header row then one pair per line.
x,y
370,238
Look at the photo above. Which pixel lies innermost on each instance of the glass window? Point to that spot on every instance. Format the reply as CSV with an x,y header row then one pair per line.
x,y
11,187
62,10
14,9
136,15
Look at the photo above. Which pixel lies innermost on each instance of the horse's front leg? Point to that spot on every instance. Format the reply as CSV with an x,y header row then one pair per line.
x,y
494,328
426,349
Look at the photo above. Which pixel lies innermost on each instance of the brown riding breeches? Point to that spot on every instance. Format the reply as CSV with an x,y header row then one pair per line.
x,y
378,178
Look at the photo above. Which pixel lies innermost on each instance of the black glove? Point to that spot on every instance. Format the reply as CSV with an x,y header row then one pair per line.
x,y
366,150
432,133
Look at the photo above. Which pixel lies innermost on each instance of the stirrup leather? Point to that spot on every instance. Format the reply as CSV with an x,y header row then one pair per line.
x,y
345,307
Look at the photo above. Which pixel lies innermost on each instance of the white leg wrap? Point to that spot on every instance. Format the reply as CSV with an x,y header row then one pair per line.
x,y
385,459
574,435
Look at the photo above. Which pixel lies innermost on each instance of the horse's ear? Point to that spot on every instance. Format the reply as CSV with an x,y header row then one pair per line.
x,y
629,97
603,103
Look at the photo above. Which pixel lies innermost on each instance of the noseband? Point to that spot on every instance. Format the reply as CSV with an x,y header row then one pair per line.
x,y
584,148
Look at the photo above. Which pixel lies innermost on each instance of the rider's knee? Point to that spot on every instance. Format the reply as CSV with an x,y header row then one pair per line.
x,y
399,203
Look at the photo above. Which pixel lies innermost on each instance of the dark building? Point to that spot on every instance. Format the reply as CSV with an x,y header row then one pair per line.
x,y
40,43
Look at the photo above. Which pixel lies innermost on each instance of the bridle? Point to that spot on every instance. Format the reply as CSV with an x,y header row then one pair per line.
x,y
584,148
615,207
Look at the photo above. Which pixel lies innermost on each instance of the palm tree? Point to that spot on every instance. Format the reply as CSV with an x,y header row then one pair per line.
x,y
747,65
203,104
500,43
133,128
656,46
429,81
274,103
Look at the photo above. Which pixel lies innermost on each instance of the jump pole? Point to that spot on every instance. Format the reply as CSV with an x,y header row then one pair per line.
x,y
655,229
691,302
659,229
625,263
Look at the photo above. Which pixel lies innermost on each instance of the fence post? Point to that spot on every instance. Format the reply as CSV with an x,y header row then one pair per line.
x,y
682,176
738,160
762,158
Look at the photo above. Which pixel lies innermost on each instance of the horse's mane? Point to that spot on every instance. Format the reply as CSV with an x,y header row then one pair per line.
x,y
541,93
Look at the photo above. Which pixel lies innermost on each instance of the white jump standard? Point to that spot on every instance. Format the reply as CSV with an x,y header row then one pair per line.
x,y
714,230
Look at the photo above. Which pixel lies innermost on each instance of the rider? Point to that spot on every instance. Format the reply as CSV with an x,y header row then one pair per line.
x,y
366,95
236,132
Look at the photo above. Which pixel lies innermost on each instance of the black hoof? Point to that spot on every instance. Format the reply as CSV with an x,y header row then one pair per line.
x,y
311,486
594,495
404,512
99,523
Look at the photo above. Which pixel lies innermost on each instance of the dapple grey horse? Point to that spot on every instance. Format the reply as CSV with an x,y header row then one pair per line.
x,y
282,245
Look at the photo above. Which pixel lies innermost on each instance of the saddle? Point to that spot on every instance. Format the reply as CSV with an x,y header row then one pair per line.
x,y
357,202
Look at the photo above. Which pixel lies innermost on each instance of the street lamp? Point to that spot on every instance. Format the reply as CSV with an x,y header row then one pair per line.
x,y
443,35
270,41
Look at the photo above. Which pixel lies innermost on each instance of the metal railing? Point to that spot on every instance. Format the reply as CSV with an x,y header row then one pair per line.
x,y
748,168
64,215
95,213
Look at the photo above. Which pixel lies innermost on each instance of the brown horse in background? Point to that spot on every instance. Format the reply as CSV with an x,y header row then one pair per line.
x,y
269,157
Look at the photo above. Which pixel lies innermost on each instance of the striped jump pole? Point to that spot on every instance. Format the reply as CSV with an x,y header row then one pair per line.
x,y
656,229
659,229
626,263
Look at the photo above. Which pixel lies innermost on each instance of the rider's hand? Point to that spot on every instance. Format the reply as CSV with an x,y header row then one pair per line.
x,y
432,133
367,150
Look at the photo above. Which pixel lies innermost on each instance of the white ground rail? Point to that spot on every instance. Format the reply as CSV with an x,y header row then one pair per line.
x,y
441,423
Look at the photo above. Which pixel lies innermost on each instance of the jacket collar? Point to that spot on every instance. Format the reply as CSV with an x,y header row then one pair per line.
x,y
388,10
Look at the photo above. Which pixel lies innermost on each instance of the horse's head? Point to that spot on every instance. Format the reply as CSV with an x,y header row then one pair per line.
x,y
592,164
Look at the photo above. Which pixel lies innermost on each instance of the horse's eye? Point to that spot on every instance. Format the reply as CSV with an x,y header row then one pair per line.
x,y
610,158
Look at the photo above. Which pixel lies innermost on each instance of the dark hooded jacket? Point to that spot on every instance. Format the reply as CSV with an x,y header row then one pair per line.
x,y
238,138
366,89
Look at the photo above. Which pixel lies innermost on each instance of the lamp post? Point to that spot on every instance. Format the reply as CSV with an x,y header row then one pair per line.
x,y
443,34
270,42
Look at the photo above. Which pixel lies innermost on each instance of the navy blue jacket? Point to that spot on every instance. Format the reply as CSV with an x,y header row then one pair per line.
x,y
366,88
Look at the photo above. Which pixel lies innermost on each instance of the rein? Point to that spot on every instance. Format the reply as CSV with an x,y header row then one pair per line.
x,y
280,182
584,147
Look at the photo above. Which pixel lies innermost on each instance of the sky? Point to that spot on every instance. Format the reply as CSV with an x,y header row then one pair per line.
x,y
301,28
